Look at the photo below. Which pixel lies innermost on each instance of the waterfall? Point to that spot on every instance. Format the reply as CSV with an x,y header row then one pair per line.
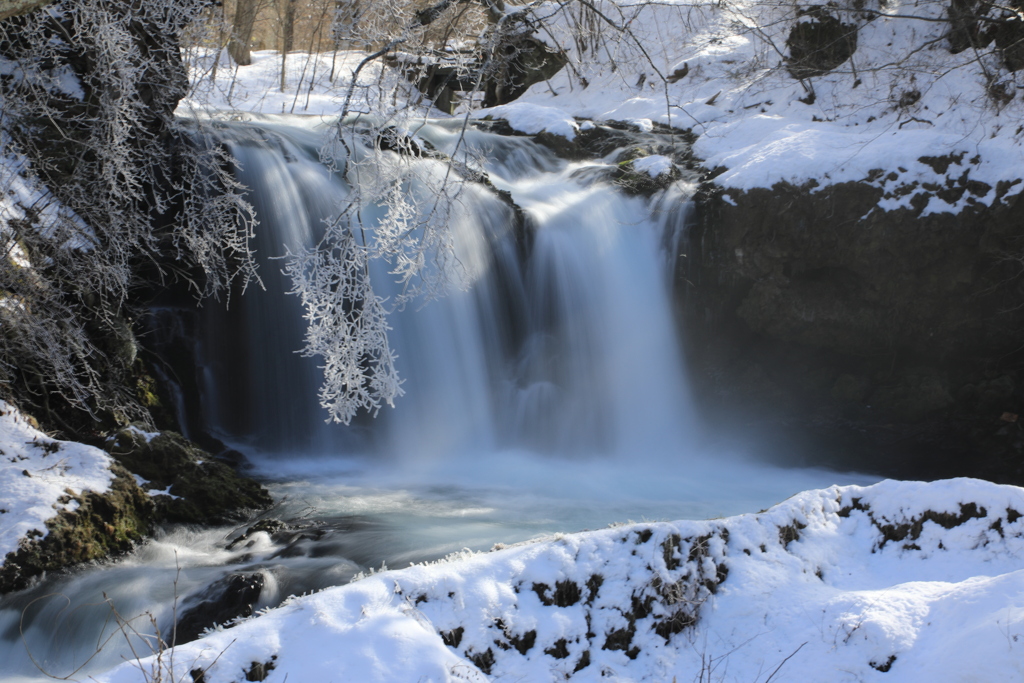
x,y
556,334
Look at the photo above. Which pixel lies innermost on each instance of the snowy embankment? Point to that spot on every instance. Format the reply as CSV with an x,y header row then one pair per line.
x,y
903,112
39,476
902,103
895,581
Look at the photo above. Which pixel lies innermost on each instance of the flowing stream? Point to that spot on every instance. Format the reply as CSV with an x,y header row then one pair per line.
x,y
544,393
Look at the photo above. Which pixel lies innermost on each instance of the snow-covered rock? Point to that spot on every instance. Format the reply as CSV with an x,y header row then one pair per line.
x,y
37,474
533,119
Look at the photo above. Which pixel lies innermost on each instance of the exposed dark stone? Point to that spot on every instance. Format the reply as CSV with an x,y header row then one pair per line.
x,y
454,637
619,639
203,490
601,139
884,666
229,598
482,660
670,552
523,643
912,528
850,388
566,593
889,340
639,182
964,30
1009,36
594,584
583,662
519,61
818,43
640,607
527,61
269,526
258,671
675,623
790,533
560,650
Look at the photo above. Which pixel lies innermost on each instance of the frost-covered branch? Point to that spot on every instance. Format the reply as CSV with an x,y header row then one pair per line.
x,y
113,194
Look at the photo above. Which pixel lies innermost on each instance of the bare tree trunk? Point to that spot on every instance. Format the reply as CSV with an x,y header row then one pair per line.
x,y
288,26
241,31
287,35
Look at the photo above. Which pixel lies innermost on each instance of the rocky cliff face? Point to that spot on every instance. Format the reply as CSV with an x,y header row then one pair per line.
x,y
897,334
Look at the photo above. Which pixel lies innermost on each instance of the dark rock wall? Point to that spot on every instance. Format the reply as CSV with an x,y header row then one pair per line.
x,y
892,335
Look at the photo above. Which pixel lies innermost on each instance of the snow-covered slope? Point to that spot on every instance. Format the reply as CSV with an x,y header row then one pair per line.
x,y
904,103
721,69
36,475
892,582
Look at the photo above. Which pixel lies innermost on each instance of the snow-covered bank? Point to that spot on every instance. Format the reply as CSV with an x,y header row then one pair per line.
x,y
903,103
896,581
63,503
39,476
724,70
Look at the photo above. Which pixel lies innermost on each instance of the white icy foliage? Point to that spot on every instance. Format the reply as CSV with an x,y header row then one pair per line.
x,y
399,214
347,325
122,170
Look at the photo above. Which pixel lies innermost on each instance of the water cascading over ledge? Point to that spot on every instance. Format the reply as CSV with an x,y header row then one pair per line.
x,y
555,334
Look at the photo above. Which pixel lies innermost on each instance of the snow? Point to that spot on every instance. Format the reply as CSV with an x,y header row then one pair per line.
x,y
719,69
36,475
923,580
532,119
653,165
753,118
256,88
144,435
896,581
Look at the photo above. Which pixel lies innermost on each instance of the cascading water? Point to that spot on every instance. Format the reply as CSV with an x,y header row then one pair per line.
x,y
545,392
566,345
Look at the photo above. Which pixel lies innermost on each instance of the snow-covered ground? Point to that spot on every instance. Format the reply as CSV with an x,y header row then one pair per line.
x,y
720,69
901,96
36,475
897,581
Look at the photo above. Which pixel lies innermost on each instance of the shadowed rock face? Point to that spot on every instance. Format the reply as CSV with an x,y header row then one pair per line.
x,y
818,43
203,490
902,331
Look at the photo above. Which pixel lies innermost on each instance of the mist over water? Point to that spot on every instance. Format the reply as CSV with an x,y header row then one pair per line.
x,y
544,393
